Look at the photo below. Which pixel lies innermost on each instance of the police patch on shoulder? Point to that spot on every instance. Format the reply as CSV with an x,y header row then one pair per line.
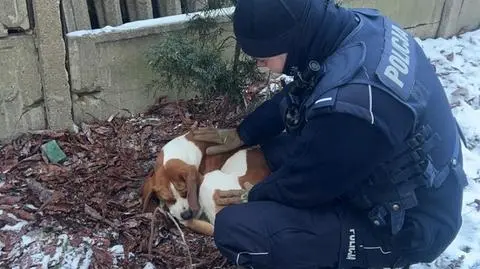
x,y
397,65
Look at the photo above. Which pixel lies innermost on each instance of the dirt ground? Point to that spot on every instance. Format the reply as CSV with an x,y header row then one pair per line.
x,y
86,211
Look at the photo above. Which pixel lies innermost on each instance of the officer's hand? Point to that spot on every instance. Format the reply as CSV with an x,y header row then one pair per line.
x,y
227,139
230,197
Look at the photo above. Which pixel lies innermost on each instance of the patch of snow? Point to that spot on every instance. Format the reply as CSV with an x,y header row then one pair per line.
x,y
117,253
30,206
149,23
14,228
457,62
47,250
27,240
149,265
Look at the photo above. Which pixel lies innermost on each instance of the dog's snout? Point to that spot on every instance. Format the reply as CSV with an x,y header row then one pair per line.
x,y
187,214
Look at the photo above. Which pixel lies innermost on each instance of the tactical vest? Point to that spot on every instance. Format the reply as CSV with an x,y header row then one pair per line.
x,y
425,156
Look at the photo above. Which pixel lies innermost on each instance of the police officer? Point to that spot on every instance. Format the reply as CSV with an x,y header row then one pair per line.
x,y
364,150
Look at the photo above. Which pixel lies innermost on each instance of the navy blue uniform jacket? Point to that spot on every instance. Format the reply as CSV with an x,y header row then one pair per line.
x,y
332,155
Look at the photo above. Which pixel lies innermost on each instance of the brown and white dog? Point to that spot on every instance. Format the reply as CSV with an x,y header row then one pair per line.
x,y
185,179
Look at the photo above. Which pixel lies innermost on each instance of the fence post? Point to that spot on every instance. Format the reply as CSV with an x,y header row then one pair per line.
x,y
139,9
76,15
109,12
448,21
168,7
196,5
13,15
51,51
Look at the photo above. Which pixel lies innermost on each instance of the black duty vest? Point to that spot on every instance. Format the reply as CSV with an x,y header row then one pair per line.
x,y
380,54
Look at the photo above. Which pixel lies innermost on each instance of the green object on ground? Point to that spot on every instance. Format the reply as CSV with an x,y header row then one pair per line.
x,y
53,152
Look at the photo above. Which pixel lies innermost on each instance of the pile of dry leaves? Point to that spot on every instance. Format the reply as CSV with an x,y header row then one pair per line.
x,y
86,211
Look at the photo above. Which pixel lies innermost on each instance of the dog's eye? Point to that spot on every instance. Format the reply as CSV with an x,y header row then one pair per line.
x,y
170,202
180,186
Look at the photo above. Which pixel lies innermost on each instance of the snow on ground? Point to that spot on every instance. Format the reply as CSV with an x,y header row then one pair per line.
x,y
51,247
457,61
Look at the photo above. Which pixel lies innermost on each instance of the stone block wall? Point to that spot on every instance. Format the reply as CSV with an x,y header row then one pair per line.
x,y
21,97
421,18
109,72
13,16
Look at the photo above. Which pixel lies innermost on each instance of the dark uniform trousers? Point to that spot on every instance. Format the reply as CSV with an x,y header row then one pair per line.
x,y
264,235
268,235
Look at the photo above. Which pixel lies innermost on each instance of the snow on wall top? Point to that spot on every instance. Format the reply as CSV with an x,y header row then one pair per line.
x,y
149,23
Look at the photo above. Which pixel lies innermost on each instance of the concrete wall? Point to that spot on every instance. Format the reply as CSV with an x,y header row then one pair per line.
x,y
108,68
421,18
21,97
468,17
428,18
48,79
459,16
13,15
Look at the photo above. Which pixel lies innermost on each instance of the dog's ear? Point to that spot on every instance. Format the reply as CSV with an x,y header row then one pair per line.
x,y
182,173
192,179
147,192
150,191
149,187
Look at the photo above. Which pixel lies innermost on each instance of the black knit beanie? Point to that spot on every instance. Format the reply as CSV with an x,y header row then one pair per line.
x,y
266,28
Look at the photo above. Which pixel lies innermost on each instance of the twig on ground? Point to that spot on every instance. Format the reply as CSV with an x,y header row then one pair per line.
x,y
32,158
97,216
150,241
152,230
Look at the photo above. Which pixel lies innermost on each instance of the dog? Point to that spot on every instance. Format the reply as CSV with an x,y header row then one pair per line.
x,y
186,180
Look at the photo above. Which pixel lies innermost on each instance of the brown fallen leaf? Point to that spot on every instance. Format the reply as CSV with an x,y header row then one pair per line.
x,y
15,163
102,130
57,208
5,207
130,224
22,214
10,200
6,219
8,165
450,56
95,215
102,258
43,194
6,187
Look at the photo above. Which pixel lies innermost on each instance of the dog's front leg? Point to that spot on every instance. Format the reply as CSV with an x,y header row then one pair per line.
x,y
200,226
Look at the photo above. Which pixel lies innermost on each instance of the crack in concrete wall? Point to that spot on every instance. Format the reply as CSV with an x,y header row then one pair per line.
x,y
88,91
52,55
37,103
421,25
14,15
20,87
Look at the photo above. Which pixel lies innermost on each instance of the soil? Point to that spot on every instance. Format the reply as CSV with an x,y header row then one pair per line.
x,y
86,212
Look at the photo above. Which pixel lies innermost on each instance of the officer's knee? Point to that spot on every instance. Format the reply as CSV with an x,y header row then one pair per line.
x,y
223,222
231,234
241,238
227,223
